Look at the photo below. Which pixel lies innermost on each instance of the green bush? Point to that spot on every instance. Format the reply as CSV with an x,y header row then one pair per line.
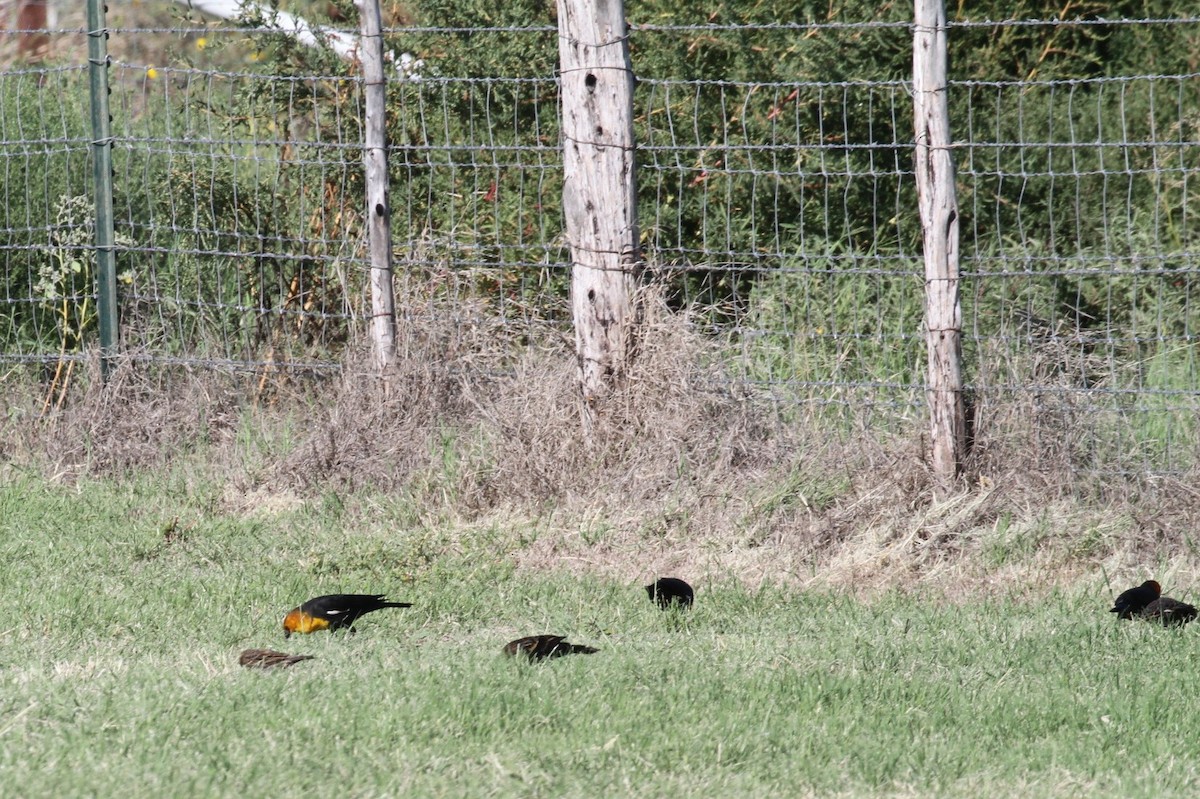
x,y
45,136
775,184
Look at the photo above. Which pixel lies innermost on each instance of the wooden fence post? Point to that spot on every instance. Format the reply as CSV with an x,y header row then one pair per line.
x,y
379,217
939,222
599,192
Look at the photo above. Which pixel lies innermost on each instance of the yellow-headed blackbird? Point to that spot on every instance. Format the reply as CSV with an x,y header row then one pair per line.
x,y
1169,611
334,611
269,659
667,591
541,647
1133,601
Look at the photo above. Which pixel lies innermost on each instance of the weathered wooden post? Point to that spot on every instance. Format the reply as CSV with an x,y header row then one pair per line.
x,y
939,222
599,192
379,217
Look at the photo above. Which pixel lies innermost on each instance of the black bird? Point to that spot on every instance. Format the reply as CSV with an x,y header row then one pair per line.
x,y
667,591
1133,601
334,611
1169,611
269,659
542,647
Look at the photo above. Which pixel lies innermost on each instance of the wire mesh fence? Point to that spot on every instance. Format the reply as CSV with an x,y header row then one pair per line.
x,y
777,202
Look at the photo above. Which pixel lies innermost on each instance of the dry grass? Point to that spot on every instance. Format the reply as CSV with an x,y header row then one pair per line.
x,y
143,418
680,477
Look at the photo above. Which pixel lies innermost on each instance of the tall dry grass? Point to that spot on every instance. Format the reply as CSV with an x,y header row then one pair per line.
x,y
682,474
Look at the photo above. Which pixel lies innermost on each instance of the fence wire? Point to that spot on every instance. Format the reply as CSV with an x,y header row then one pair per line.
x,y
777,202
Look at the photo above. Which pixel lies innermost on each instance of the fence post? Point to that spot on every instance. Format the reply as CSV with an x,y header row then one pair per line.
x,y
599,192
939,223
379,214
102,172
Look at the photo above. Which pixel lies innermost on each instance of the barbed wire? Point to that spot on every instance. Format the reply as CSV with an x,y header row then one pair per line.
x,y
635,26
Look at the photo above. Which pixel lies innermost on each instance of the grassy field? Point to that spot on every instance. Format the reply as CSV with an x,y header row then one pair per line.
x,y
129,602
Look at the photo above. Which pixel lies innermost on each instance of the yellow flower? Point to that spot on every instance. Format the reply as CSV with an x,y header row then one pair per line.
x,y
151,73
201,43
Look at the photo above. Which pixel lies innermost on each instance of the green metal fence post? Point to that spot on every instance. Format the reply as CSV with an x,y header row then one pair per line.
x,y
106,268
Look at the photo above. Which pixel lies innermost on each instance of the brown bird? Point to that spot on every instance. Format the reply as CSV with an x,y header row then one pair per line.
x,y
667,591
334,611
542,647
1169,611
1133,601
270,659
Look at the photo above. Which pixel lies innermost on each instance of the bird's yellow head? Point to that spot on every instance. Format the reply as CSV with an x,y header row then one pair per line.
x,y
291,622
297,621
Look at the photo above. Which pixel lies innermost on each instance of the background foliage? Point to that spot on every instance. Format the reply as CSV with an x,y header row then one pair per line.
x,y
776,197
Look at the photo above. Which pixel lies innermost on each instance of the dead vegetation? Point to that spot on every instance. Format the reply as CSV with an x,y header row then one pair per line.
x,y
685,474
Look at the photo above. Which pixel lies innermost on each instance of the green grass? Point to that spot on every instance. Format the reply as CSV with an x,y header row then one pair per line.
x,y
118,673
